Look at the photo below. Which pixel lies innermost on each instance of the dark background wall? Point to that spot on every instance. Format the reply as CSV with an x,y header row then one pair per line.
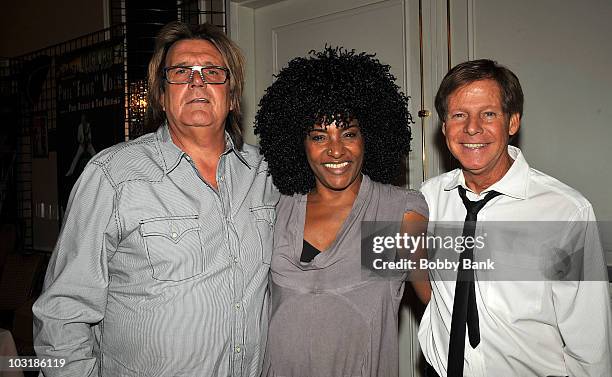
x,y
29,25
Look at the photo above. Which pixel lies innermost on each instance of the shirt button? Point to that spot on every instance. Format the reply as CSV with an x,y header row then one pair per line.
x,y
235,259
222,178
174,235
237,306
237,349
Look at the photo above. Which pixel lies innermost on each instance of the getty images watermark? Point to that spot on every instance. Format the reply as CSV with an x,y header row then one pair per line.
x,y
409,245
500,251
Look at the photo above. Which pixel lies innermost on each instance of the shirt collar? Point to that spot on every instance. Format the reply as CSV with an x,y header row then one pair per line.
x,y
514,183
171,154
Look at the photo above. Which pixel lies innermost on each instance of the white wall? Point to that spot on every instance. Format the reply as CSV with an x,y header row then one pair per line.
x,y
561,52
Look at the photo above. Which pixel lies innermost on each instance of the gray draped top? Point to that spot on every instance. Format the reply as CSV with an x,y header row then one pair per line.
x,y
326,319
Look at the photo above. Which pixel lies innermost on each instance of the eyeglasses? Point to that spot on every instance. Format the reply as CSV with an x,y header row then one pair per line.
x,y
209,74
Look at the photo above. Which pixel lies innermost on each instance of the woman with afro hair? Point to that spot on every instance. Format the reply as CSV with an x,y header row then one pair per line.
x,y
334,128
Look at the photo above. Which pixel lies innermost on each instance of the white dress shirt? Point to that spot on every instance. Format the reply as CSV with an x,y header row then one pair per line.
x,y
528,328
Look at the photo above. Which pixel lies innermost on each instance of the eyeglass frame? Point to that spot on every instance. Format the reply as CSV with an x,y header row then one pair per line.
x,y
193,69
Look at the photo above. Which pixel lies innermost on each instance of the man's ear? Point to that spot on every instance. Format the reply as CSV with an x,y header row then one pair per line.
x,y
444,128
515,124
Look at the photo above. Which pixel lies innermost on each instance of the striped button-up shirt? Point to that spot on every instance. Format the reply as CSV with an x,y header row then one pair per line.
x,y
155,273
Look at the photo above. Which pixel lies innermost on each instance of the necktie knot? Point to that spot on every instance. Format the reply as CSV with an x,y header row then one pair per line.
x,y
474,207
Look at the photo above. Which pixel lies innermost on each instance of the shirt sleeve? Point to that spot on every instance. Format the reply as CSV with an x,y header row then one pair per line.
x,y
416,203
71,307
582,307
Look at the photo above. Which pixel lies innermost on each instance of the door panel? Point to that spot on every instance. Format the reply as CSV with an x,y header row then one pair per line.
x,y
286,29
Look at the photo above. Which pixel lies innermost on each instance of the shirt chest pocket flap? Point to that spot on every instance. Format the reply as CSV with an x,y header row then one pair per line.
x,y
174,247
265,217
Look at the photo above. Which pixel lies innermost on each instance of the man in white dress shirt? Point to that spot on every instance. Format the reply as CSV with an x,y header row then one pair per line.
x,y
526,328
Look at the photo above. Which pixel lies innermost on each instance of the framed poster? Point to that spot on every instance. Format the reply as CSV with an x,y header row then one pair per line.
x,y
90,109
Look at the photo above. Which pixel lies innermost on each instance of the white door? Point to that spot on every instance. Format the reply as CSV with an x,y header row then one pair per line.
x,y
272,33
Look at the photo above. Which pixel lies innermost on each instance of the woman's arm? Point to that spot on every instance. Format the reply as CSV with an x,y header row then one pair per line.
x,y
415,225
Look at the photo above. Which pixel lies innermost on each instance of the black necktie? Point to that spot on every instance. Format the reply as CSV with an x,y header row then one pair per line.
x,y
464,305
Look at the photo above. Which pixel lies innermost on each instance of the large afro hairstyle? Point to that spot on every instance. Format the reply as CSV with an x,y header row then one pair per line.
x,y
332,84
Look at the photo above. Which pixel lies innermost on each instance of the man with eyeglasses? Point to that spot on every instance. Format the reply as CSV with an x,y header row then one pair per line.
x,y
543,309
161,267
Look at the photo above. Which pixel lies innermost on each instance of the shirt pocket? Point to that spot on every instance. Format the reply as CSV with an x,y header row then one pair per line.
x,y
519,301
265,217
173,246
